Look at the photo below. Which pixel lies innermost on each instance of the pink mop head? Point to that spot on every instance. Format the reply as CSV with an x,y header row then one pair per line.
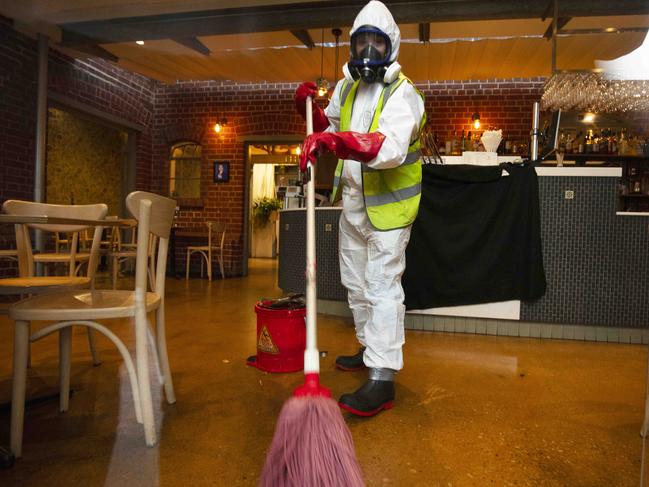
x,y
312,446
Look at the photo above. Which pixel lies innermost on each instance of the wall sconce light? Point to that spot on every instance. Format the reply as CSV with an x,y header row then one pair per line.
x,y
588,117
476,120
218,126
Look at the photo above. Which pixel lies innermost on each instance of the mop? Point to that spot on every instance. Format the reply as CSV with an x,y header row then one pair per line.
x,y
312,446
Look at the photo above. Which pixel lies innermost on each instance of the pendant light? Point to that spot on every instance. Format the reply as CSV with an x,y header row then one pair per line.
x,y
323,85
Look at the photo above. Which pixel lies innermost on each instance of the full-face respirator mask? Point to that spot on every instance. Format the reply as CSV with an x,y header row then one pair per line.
x,y
370,54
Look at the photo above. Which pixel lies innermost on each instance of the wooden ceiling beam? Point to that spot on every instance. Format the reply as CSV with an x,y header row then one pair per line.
x,y
96,51
325,14
424,32
561,22
194,44
304,37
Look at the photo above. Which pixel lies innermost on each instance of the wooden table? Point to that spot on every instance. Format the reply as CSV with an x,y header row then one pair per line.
x,y
44,220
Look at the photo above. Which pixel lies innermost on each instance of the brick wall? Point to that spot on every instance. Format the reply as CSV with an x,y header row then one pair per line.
x,y
189,110
504,104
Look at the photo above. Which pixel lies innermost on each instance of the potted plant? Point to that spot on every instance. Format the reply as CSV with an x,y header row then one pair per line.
x,y
264,210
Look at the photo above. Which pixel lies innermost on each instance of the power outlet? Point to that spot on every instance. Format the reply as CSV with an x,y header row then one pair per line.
x,y
328,227
569,194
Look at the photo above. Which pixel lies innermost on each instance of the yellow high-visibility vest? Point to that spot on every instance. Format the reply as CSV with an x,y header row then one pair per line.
x,y
391,195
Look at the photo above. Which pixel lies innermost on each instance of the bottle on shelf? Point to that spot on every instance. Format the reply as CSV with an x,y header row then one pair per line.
x,y
569,143
623,144
462,142
588,142
508,145
580,143
454,144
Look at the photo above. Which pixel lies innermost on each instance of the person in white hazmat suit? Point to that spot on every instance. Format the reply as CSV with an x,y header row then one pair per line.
x,y
372,124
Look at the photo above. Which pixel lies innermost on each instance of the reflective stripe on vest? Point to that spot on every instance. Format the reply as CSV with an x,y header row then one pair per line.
x,y
391,195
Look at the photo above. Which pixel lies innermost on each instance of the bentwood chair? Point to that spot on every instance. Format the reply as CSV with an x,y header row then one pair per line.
x,y
214,247
9,254
154,214
28,284
126,251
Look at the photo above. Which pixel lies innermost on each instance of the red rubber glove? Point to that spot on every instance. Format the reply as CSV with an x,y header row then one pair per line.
x,y
320,120
346,145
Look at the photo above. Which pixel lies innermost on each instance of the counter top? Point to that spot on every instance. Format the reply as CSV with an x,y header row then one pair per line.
x,y
632,213
606,172
318,208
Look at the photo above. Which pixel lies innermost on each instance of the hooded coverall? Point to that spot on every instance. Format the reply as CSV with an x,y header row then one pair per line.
x,y
372,261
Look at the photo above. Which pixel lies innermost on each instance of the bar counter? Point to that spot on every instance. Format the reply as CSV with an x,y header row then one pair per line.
x,y
595,258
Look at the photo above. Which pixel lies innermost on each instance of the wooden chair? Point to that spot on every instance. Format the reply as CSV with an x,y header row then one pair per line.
x,y
215,233
128,251
154,214
70,244
28,284
9,254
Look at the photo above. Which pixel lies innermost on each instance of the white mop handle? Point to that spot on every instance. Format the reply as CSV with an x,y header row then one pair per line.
x,y
311,355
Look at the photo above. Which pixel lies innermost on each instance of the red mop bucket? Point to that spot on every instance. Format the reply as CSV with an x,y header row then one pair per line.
x,y
281,335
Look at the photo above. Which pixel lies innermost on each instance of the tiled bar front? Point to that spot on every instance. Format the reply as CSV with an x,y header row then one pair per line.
x,y
596,263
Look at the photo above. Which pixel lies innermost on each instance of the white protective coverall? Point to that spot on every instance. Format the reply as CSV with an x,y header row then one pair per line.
x,y
372,261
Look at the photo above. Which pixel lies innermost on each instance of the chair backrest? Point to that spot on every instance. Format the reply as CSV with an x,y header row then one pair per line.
x,y
216,232
154,214
29,208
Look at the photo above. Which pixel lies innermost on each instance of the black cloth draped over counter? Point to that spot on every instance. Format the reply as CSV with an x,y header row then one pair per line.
x,y
476,239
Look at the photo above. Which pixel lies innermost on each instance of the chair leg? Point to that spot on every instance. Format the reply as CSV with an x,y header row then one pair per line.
x,y
221,266
209,265
644,432
115,271
21,346
92,343
187,266
29,346
143,379
65,345
202,265
163,356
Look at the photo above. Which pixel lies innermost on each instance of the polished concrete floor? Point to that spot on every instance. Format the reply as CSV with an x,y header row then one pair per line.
x,y
471,410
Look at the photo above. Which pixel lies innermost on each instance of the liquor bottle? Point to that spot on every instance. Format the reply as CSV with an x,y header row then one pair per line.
x,y
622,144
468,144
613,143
595,143
580,143
508,145
588,144
454,144
462,142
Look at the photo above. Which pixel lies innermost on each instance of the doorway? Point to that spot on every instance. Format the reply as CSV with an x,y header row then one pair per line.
x,y
273,168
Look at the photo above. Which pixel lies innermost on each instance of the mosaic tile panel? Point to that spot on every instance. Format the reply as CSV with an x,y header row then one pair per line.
x,y
292,253
596,263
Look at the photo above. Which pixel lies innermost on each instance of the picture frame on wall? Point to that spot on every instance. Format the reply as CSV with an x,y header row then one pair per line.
x,y
221,171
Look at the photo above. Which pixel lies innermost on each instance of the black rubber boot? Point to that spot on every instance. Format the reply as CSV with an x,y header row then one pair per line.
x,y
374,396
350,363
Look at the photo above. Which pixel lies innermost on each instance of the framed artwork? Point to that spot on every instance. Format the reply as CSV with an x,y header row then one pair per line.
x,y
221,171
